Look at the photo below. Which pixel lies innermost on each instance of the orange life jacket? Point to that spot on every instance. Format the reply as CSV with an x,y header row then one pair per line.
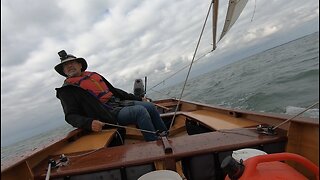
x,y
93,83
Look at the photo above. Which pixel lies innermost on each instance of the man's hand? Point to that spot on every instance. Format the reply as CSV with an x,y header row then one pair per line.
x,y
96,126
145,99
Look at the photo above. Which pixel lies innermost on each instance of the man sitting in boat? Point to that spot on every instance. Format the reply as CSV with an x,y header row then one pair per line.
x,y
89,101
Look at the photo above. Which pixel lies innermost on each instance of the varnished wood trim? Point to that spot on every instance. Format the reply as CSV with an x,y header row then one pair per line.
x,y
303,139
23,171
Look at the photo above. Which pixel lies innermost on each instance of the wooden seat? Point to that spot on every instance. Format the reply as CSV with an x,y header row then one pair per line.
x,y
133,133
163,107
178,125
218,121
92,141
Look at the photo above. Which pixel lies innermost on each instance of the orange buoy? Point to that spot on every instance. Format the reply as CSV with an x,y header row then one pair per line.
x,y
263,167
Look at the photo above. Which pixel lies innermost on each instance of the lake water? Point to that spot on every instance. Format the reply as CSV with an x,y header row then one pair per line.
x,y
283,79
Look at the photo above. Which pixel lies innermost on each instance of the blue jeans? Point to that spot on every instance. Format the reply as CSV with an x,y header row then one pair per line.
x,y
145,115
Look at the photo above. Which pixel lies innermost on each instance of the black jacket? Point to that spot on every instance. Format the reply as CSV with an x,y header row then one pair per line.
x,y
81,108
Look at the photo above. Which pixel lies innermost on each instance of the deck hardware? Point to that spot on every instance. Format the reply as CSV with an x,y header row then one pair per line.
x,y
162,133
235,114
233,168
52,163
63,160
268,130
166,145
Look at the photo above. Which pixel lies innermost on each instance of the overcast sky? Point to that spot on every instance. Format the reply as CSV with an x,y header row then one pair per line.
x,y
123,40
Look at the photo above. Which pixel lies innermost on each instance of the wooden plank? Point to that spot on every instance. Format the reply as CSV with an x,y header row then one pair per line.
x,y
133,133
22,172
167,104
95,140
159,165
180,170
149,152
218,121
304,140
163,107
178,126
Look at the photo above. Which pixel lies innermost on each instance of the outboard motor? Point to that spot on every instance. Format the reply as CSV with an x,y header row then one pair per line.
x,y
138,88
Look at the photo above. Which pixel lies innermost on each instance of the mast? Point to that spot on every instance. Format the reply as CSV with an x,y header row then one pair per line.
x,y
214,22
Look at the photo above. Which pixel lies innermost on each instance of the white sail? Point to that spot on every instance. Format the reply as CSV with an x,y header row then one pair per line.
x,y
234,10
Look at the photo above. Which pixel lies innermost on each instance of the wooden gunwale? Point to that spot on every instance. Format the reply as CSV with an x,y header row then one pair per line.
x,y
43,151
263,118
31,159
250,114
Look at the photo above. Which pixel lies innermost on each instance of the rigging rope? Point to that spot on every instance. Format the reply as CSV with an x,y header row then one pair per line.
x,y
178,71
194,55
295,116
163,94
127,127
48,172
254,10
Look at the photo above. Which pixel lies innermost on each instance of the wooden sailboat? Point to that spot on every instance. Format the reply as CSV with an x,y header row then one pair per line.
x,y
200,138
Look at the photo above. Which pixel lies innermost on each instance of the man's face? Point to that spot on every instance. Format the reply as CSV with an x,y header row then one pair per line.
x,y
72,68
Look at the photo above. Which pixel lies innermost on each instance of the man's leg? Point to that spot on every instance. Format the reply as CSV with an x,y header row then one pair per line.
x,y
138,114
154,114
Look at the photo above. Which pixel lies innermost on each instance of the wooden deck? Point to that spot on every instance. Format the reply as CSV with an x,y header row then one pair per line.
x,y
217,121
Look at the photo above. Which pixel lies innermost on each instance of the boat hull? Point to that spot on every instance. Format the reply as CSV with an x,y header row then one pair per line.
x,y
227,130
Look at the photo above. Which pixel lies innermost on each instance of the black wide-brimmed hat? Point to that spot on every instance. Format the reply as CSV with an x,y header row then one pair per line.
x,y
64,57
